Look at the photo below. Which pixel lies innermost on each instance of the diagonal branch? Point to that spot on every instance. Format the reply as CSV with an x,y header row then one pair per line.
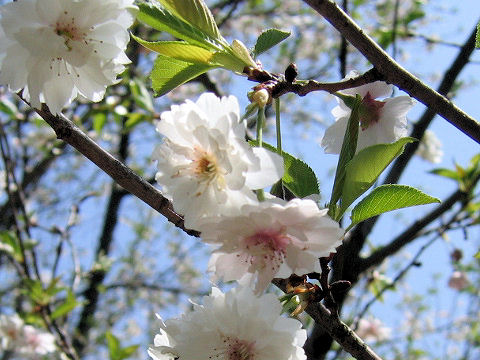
x,y
394,73
119,172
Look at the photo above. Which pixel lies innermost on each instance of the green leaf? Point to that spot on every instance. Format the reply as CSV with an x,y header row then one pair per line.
x,y
194,12
140,94
164,20
347,152
69,304
99,121
298,177
477,37
134,119
11,245
268,39
115,351
179,50
168,73
365,167
450,174
388,198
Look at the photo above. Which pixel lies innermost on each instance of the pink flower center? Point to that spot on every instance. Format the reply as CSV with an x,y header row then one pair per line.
x,y
370,111
267,247
234,349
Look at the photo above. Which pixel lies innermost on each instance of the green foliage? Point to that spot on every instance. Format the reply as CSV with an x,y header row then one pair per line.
x,y
140,95
115,351
168,73
163,20
359,177
38,294
68,305
194,12
387,198
347,152
179,50
11,245
298,177
99,121
268,39
465,177
377,285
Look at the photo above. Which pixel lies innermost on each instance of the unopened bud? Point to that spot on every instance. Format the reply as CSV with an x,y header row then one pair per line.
x,y
261,98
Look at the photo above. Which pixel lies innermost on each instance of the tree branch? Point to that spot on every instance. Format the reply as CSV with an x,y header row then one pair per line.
x,y
338,330
122,174
392,71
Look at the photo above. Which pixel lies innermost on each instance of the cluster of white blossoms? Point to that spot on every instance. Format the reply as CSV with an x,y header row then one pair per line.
x,y
209,171
63,48
24,340
381,121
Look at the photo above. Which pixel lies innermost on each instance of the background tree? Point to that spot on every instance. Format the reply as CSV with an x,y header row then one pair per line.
x,y
85,259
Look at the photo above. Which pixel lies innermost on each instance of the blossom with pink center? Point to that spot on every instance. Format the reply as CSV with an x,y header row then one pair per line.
x,y
270,239
381,121
458,280
233,326
205,166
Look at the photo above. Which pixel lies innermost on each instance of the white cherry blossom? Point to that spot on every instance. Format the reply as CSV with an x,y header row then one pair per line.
x,y
57,49
205,166
371,329
381,121
23,339
270,239
430,148
232,326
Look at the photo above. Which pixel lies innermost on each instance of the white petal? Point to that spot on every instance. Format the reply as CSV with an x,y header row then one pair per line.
x,y
270,171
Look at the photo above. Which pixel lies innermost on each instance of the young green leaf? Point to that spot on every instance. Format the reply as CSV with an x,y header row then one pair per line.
x,y
365,167
194,12
268,39
347,152
141,95
388,198
69,304
179,50
450,174
168,73
11,245
164,20
298,177
115,351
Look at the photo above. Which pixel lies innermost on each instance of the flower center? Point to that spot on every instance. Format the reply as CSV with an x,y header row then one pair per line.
x,y
205,167
267,247
67,29
370,111
234,349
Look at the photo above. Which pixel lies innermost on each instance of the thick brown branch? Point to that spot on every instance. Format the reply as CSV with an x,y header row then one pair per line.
x,y
392,71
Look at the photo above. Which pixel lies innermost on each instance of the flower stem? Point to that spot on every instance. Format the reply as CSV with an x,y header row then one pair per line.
x,y
277,124
260,121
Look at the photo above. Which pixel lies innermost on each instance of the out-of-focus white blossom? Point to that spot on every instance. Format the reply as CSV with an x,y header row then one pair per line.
x,y
381,122
458,280
57,49
205,166
270,239
232,326
24,340
371,329
430,148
